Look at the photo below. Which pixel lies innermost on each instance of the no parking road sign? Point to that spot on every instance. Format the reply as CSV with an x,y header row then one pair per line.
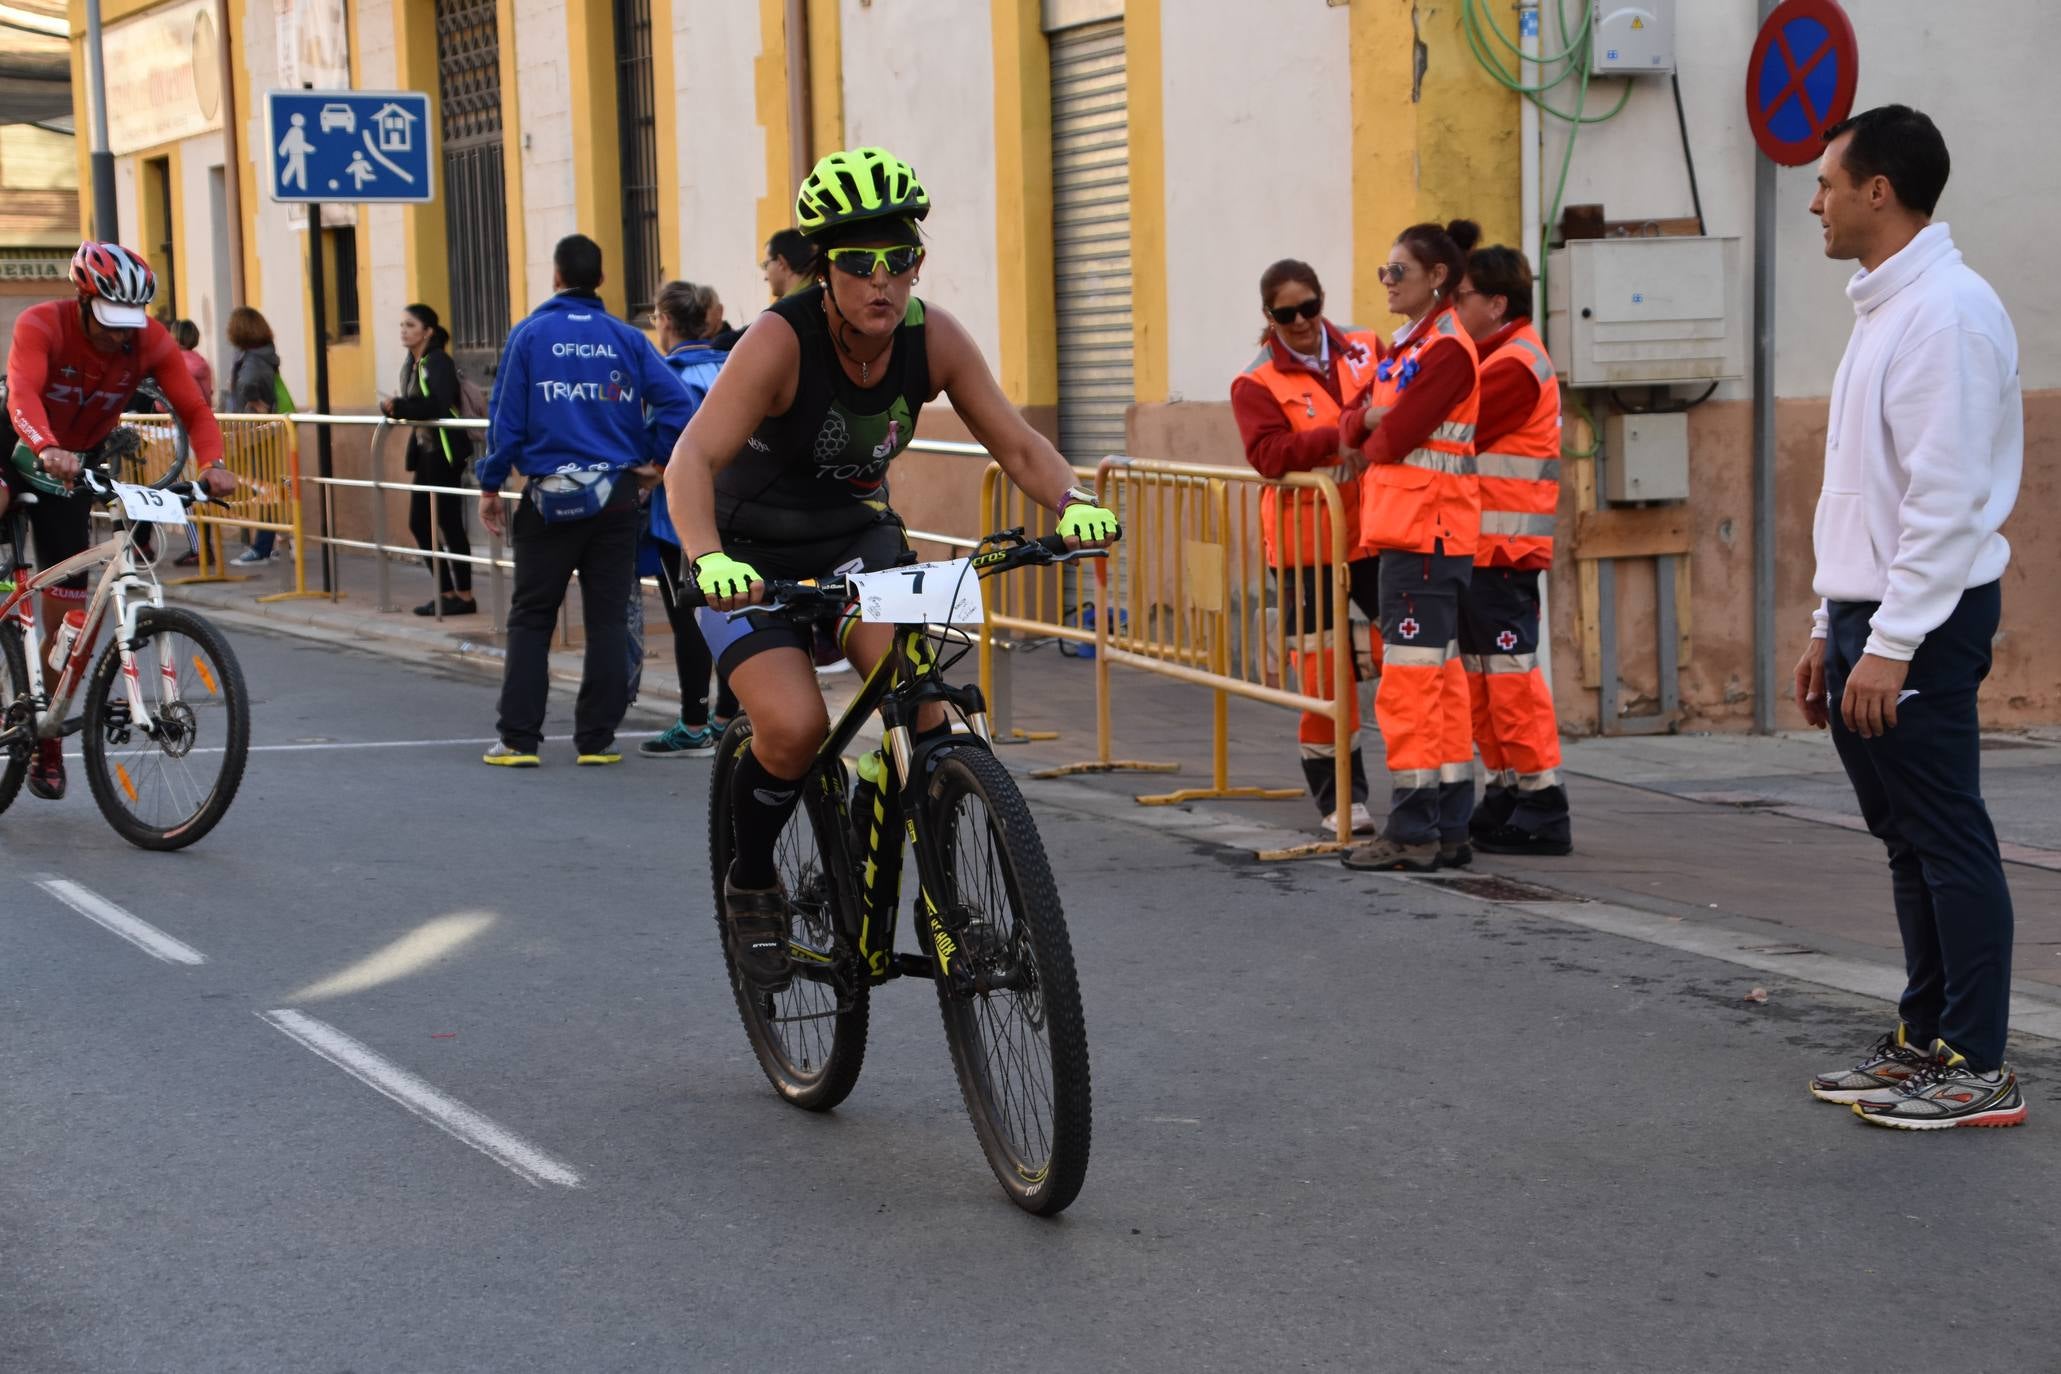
x,y
1801,78
348,145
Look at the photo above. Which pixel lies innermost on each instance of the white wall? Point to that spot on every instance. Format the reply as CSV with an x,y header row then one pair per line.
x,y
384,266
280,289
1258,167
197,301
919,80
1979,71
543,86
722,167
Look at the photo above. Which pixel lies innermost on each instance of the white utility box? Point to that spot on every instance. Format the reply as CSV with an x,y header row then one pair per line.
x,y
1646,457
1632,39
1645,311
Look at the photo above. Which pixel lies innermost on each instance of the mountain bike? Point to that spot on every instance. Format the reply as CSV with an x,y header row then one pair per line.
x,y
989,931
166,725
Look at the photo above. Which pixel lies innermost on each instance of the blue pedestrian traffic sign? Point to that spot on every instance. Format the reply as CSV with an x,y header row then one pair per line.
x,y
349,145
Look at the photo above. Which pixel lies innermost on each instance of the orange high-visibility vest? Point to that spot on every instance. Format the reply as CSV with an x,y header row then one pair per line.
x,y
1520,478
1301,537
1430,497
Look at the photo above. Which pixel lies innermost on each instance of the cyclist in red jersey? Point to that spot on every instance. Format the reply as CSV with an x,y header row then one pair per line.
x,y
71,371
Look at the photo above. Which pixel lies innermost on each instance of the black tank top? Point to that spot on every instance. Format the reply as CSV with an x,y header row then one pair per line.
x,y
820,468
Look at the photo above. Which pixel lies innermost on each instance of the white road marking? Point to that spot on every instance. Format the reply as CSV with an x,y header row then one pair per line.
x,y
108,916
400,743
446,1113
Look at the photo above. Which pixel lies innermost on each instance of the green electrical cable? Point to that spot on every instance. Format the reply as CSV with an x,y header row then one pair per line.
x,y
1575,57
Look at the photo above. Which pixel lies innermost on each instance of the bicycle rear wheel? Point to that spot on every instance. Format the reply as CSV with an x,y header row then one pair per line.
x,y
810,1037
14,691
1007,987
168,789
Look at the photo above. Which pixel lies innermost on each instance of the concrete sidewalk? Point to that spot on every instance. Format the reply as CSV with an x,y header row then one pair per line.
x,y
1746,847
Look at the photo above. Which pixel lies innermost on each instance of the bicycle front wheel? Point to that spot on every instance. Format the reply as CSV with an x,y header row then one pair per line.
x,y
14,696
1006,983
167,784
810,1037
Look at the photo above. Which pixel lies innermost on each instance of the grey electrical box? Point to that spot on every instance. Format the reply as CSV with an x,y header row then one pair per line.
x,y
1646,457
1645,311
1632,39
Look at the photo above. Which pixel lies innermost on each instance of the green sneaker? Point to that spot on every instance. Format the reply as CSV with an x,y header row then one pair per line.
x,y
680,741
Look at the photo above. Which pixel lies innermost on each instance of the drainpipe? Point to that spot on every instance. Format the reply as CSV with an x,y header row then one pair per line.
x,y
106,220
1533,240
232,160
1764,435
800,133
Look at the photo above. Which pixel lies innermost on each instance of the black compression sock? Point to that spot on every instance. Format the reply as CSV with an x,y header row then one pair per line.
x,y
760,804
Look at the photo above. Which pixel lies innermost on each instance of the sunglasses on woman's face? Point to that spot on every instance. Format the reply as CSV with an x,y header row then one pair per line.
x,y
863,262
1308,310
1392,274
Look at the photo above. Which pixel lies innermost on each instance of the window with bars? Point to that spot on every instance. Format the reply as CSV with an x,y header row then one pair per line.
x,y
474,189
637,138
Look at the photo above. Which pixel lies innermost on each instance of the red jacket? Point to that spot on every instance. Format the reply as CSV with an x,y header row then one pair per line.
x,y
64,393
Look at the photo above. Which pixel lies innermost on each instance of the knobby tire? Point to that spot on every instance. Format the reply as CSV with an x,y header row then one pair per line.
x,y
813,1063
1040,1163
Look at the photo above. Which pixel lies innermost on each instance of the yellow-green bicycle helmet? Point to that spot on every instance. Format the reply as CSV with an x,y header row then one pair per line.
x,y
855,185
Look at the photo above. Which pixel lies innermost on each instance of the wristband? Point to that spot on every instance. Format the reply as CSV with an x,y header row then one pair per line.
x,y
1077,496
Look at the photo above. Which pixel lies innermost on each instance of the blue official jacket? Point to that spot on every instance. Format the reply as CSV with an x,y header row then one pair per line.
x,y
696,365
572,392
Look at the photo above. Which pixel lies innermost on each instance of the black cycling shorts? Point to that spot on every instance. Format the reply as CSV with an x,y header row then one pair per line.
x,y
60,527
731,642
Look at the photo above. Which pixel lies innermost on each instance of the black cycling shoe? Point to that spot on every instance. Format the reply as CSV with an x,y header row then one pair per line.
x,y
46,771
757,920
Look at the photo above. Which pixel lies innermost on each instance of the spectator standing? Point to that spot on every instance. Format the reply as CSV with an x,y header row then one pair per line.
x,y
1420,513
1288,405
714,331
682,318
1517,460
256,388
186,334
1923,454
429,391
790,269
569,415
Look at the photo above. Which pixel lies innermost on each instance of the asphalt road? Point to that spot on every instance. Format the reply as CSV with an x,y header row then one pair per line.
x,y
1341,1122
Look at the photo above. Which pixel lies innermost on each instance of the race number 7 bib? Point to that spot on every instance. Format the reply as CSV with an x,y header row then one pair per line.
x,y
922,594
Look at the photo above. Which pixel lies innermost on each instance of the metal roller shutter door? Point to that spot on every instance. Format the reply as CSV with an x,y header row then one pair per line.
x,y
1091,229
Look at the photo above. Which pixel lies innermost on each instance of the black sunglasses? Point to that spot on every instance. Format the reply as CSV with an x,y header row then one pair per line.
x,y
1309,310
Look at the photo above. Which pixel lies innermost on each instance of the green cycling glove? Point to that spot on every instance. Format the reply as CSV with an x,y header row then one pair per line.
x,y
723,578
1087,522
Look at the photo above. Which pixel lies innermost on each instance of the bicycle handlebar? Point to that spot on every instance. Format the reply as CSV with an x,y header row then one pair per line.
x,y
818,595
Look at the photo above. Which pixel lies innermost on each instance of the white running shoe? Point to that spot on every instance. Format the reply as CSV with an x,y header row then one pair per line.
x,y
1362,822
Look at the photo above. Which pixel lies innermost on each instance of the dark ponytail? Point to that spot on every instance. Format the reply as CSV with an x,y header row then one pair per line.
x,y
1433,246
439,337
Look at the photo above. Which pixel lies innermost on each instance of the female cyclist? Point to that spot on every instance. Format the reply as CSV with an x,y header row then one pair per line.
x,y
783,473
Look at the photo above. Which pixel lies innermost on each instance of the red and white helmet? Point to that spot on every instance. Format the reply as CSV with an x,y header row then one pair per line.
x,y
118,282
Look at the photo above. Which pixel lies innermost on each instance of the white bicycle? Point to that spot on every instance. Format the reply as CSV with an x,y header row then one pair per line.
x,y
165,729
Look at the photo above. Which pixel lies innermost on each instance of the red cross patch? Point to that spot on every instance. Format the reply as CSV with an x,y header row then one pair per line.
x,y
1408,629
1506,641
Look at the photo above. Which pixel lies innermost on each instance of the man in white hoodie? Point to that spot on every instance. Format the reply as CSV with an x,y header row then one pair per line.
x,y
1922,461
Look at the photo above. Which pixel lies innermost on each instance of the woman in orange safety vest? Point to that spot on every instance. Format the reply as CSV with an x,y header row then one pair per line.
x,y
1517,457
1420,514
1288,403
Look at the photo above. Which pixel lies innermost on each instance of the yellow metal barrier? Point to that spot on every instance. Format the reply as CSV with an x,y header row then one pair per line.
x,y
1193,603
264,454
